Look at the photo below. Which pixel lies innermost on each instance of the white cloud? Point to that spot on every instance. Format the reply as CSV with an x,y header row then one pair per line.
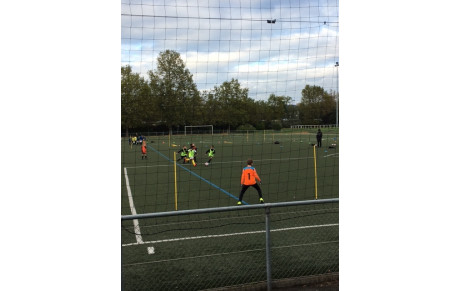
x,y
224,40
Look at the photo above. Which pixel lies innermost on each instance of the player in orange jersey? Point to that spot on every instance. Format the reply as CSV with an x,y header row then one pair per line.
x,y
249,178
144,149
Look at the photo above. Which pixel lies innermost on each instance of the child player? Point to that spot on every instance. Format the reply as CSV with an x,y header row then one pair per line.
x,y
249,178
144,149
191,154
210,153
183,155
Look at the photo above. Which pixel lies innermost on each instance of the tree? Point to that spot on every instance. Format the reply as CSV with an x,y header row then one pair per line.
x,y
259,115
292,115
317,106
231,103
278,106
212,108
175,96
134,99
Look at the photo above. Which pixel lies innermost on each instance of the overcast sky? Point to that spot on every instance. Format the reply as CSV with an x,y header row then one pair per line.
x,y
221,40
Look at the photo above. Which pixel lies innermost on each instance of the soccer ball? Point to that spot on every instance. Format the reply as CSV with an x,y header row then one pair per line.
x,y
206,164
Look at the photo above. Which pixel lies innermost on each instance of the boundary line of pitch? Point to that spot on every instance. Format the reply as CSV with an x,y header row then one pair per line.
x,y
137,229
229,234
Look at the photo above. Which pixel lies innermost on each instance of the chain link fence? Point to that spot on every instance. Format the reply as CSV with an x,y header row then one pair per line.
x,y
255,246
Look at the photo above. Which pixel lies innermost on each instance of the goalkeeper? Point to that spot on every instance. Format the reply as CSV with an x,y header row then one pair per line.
x,y
248,179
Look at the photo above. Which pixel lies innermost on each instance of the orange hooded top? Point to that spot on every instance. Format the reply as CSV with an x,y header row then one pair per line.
x,y
249,176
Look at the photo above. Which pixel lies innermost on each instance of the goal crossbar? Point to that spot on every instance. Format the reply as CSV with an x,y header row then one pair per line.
x,y
191,127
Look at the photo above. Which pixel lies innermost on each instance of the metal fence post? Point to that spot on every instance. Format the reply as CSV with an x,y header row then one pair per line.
x,y
121,261
267,248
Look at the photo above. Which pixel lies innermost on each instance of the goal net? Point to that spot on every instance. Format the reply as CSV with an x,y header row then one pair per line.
x,y
199,129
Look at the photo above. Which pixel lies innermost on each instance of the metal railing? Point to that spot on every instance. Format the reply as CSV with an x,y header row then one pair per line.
x,y
210,248
314,126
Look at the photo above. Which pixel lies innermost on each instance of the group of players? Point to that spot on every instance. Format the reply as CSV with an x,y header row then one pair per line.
x,y
249,177
139,139
136,139
189,155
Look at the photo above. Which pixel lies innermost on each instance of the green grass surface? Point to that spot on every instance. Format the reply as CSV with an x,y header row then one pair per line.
x,y
221,249
286,170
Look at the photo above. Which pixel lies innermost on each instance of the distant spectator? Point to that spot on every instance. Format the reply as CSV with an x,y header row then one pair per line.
x,y
140,139
319,137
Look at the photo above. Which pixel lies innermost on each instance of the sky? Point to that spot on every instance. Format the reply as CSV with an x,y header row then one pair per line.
x,y
221,40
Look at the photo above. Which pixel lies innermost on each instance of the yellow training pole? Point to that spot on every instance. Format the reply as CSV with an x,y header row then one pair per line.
x,y
264,135
175,181
316,182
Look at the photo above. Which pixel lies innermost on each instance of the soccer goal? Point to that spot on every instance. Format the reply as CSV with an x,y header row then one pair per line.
x,y
199,129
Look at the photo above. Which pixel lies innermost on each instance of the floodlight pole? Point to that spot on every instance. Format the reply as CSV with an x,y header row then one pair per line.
x,y
337,97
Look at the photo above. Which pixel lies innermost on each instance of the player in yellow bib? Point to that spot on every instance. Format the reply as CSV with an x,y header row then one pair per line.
x,y
211,152
191,155
183,155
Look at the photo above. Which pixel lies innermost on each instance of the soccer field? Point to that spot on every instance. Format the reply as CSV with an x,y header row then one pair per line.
x,y
221,249
287,170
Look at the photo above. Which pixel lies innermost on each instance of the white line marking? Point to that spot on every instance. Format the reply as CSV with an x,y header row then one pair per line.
x,y
230,253
137,230
329,155
230,234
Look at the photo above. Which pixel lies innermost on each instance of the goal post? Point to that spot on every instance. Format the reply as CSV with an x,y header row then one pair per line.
x,y
199,129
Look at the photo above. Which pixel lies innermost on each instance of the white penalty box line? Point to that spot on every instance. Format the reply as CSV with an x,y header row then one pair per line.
x,y
228,234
